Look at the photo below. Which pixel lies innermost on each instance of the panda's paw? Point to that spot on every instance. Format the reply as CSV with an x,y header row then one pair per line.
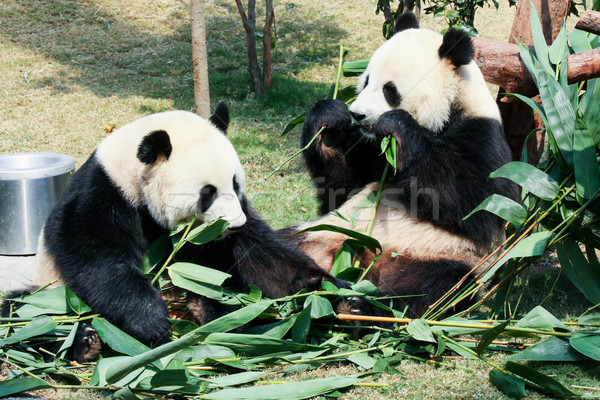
x,y
331,118
86,345
392,123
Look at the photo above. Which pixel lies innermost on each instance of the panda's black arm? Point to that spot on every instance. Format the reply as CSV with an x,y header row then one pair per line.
x,y
342,159
97,242
445,176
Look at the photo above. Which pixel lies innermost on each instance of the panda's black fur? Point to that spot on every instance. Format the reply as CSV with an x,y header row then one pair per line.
x,y
95,240
442,175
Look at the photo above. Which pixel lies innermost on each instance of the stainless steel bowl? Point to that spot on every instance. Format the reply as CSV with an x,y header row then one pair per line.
x,y
30,185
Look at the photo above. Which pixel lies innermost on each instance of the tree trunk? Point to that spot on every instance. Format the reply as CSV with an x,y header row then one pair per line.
x,y
200,59
269,20
520,120
249,21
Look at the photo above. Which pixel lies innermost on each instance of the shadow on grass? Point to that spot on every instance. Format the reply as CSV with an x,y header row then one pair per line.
x,y
111,53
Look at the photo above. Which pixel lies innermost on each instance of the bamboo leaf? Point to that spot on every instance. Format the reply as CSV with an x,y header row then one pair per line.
x,y
301,325
198,279
488,337
585,163
420,330
505,208
236,379
20,385
362,360
370,243
540,379
587,343
290,391
207,232
156,253
508,384
116,339
355,68
54,300
227,322
254,345
75,303
577,269
531,246
551,349
319,306
530,178
539,318
292,124
539,41
37,327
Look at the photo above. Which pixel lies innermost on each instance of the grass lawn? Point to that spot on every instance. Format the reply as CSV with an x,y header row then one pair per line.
x,y
70,67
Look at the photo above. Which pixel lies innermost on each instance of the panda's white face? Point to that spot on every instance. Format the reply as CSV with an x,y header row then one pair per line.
x,y
407,73
195,170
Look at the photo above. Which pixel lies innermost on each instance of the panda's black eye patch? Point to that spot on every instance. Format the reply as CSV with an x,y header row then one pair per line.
x,y
236,186
366,82
390,92
207,197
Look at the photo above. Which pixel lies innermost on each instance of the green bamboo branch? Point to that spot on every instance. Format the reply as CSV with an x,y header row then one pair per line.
x,y
175,250
296,154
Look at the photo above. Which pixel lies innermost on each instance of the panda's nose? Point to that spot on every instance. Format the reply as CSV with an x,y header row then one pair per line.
x,y
357,116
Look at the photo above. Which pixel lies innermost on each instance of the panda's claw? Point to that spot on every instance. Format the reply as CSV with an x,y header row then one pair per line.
x,y
86,346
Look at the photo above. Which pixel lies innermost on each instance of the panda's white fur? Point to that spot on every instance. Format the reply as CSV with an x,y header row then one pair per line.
x,y
201,155
463,86
425,90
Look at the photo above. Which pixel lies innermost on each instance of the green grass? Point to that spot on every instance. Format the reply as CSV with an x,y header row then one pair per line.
x,y
69,67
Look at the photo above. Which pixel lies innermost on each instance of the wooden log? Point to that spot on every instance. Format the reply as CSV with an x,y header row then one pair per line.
x,y
589,22
501,65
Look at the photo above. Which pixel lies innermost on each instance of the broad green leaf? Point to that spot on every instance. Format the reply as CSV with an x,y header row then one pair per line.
x,y
201,352
116,339
156,253
508,384
590,107
355,68
366,287
236,379
343,261
367,202
37,327
531,246
587,343
207,232
505,208
125,393
419,330
539,42
319,306
198,279
301,325
172,379
559,112
75,303
585,163
225,323
389,148
529,178
288,391
559,46
578,270
540,379
489,336
20,385
551,349
50,299
363,360
539,318
292,124
255,345
104,365
370,243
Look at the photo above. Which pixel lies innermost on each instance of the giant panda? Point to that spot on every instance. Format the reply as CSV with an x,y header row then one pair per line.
x,y
141,181
425,90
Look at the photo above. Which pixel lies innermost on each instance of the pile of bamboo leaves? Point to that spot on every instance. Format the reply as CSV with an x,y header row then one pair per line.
x,y
255,351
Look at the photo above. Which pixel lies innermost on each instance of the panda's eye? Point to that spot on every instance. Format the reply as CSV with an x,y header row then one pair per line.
x,y
236,186
207,197
390,92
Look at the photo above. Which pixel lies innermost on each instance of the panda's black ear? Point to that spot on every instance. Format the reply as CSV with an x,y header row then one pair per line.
x,y
220,117
408,20
153,145
457,47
